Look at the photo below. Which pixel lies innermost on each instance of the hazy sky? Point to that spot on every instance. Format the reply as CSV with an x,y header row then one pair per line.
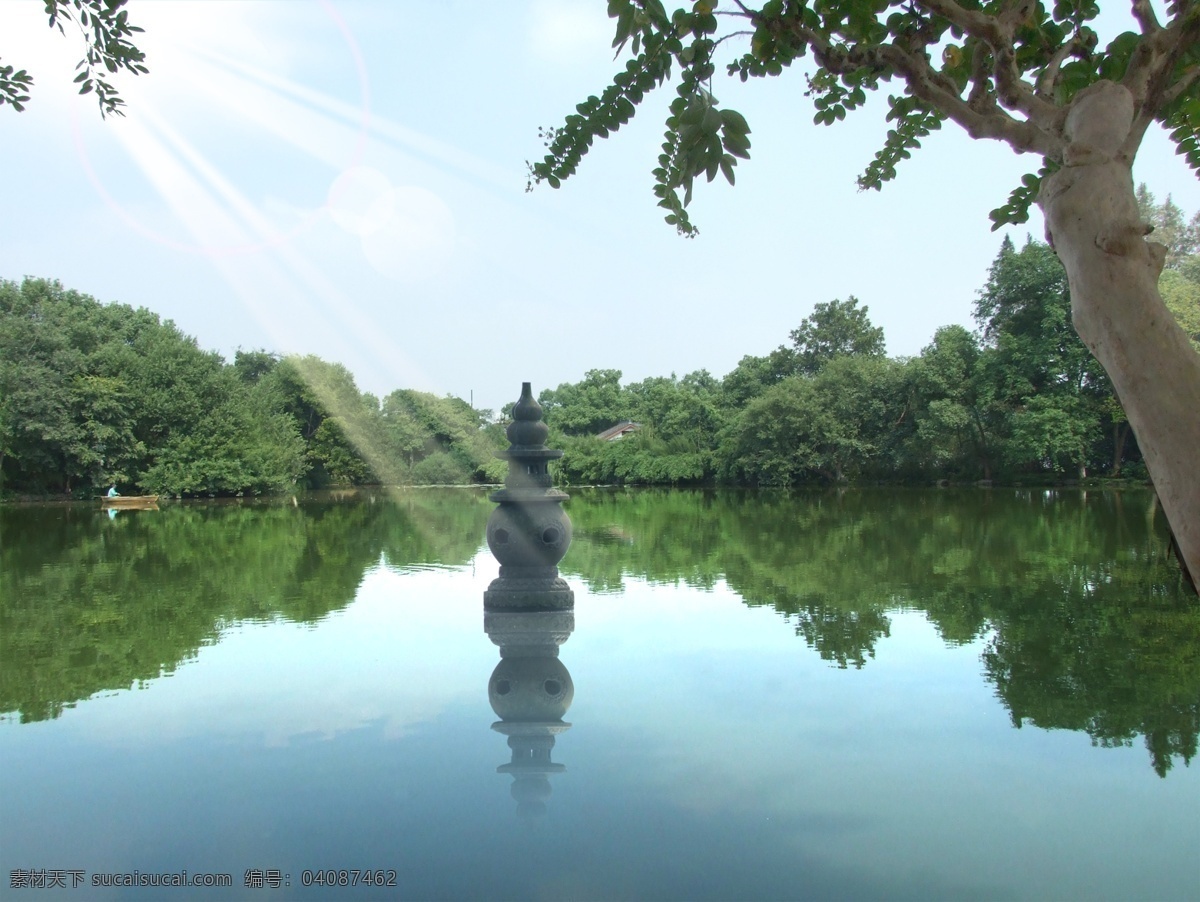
x,y
347,179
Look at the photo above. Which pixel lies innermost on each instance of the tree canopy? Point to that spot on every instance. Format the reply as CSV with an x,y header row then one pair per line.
x,y
1001,70
836,329
94,394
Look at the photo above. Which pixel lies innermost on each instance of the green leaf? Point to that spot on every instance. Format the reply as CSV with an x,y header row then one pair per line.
x,y
735,121
727,164
737,145
694,114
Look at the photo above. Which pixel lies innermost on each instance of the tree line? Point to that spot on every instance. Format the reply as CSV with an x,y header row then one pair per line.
x,y
1018,398
94,394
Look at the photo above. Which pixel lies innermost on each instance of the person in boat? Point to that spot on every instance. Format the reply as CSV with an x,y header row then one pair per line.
x,y
112,491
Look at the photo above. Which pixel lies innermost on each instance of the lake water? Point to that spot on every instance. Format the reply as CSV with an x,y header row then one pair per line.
x,y
869,694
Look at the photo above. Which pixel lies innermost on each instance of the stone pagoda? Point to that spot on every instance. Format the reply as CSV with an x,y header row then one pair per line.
x,y
529,532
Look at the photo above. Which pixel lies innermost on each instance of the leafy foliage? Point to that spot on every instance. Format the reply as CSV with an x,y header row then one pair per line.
x,y
836,329
94,394
1040,369
1169,228
104,28
1181,294
588,406
1003,71
1021,399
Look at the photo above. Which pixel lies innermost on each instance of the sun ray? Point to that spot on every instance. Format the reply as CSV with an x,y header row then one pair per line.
x,y
257,254
320,136
209,206
445,155
204,218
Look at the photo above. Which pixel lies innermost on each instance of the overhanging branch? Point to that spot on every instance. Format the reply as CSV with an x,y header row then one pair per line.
x,y
933,88
1143,12
1182,86
997,34
1074,47
976,24
1148,76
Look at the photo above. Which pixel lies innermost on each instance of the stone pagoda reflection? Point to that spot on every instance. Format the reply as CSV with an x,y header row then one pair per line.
x,y
530,690
529,609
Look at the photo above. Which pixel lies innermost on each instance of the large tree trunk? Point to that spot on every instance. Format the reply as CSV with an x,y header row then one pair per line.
x,y
1093,223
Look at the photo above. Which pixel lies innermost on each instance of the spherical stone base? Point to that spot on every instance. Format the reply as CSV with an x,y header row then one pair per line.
x,y
529,534
531,689
509,593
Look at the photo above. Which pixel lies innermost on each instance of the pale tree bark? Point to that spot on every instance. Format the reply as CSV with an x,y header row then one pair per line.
x,y
1092,221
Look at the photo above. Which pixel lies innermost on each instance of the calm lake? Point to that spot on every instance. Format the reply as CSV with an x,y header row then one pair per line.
x,y
965,694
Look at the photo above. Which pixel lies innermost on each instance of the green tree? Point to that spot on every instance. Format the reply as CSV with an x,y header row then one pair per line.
x,y
95,393
835,329
313,391
754,375
865,400
1180,238
1037,366
67,419
1182,297
835,426
586,407
679,420
402,431
958,423
1180,281
682,411
37,365
1028,74
441,440
252,366
776,438
104,27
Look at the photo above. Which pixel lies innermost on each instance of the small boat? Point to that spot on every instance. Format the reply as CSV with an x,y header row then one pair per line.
x,y
138,502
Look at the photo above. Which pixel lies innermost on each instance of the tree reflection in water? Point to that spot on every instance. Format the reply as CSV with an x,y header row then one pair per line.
x,y
1085,624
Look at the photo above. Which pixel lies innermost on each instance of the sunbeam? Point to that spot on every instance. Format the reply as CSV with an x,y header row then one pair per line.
x,y
445,156
200,209
256,252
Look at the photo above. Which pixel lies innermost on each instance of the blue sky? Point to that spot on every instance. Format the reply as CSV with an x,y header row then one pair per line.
x,y
347,179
